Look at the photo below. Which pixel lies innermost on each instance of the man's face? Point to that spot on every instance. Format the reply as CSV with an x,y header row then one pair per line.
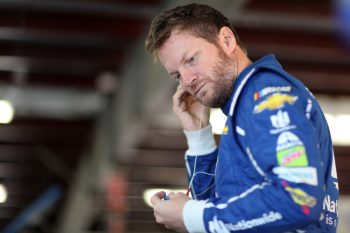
x,y
201,68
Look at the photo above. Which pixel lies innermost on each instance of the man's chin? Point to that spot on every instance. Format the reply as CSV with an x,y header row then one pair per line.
x,y
213,103
202,101
209,103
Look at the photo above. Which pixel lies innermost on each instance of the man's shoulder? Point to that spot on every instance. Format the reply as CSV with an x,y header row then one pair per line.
x,y
264,83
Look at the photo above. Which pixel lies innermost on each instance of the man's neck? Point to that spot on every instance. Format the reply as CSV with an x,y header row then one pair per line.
x,y
242,60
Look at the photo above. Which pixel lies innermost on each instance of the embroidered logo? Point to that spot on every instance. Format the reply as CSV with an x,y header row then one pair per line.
x,y
268,90
275,101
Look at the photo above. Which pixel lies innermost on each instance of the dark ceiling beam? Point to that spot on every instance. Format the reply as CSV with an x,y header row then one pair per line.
x,y
158,175
297,7
156,158
15,153
79,67
8,213
324,83
164,140
81,7
122,27
17,201
27,154
283,21
18,170
270,37
68,134
39,50
55,38
79,81
317,66
23,189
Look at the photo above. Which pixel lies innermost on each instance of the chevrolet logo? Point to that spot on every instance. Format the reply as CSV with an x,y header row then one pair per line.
x,y
275,101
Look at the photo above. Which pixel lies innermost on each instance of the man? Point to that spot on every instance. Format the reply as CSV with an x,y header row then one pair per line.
x,y
274,170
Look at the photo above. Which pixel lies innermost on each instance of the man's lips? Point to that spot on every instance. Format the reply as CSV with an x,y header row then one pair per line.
x,y
199,89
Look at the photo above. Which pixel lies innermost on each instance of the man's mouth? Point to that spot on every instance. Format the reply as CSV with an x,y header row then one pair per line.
x,y
199,89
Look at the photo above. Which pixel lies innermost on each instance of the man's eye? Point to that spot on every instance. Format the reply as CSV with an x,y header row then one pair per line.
x,y
176,77
190,61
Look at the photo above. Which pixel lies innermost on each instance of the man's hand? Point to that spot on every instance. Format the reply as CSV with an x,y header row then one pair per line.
x,y
192,114
169,213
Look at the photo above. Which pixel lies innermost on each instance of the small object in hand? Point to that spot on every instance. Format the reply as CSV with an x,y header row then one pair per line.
x,y
166,197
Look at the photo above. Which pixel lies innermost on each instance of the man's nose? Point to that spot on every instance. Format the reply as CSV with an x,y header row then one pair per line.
x,y
188,78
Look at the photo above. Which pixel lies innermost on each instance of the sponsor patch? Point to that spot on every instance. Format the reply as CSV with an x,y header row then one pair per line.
x,y
268,90
306,175
300,197
275,101
290,150
225,130
281,122
294,156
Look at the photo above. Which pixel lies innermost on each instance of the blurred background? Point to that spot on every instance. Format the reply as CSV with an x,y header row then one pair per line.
x,y
87,128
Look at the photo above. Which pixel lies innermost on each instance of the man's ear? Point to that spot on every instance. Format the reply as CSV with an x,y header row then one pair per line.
x,y
227,40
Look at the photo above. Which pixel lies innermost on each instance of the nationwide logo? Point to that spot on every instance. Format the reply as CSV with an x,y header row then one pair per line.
x,y
217,225
275,101
268,90
330,205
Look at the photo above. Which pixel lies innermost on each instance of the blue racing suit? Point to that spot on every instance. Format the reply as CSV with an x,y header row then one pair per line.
x,y
274,170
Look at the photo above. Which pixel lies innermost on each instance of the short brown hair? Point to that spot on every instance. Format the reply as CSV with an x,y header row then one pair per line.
x,y
200,20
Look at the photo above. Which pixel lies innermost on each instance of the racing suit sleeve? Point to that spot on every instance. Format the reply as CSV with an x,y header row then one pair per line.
x,y
282,144
200,162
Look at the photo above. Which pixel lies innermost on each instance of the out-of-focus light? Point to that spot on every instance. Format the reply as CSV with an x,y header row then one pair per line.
x,y
217,120
148,193
3,193
339,126
6,112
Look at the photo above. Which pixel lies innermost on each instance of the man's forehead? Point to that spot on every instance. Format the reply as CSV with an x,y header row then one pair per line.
x,y
178,33
178,36
173,38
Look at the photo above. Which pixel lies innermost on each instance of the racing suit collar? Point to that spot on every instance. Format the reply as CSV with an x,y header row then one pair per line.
x,y
266,61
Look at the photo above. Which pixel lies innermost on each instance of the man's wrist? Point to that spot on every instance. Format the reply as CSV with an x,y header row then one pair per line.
x,y
200,142
193,216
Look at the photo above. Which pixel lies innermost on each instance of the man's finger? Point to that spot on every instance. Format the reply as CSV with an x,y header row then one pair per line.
x,y
156,198
171,195
178,96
